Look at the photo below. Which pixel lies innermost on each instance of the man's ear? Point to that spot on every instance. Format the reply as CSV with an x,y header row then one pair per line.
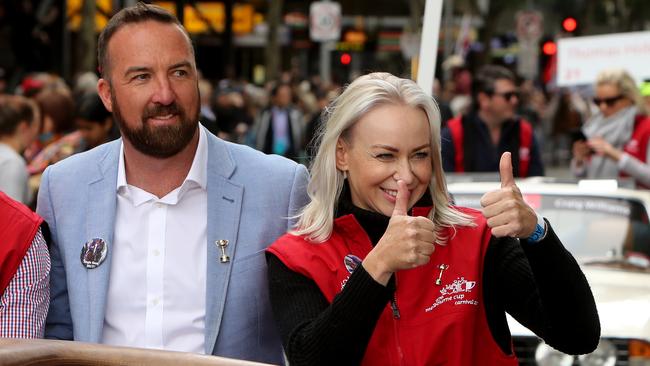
x,y
22,126
342,149
104,91
23,132
482,98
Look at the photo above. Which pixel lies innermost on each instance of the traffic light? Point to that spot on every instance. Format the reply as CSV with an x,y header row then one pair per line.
x,y
345,59
548,58
549,48
569,24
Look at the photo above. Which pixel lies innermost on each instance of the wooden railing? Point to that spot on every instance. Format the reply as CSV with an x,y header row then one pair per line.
x,y
50,352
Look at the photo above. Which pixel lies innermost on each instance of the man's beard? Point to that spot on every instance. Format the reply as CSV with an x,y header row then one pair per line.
x,y
159,141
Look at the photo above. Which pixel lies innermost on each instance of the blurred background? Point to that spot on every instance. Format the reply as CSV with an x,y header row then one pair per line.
x,y
244,48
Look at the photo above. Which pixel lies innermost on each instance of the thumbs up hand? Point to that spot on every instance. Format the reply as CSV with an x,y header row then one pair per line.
x,y
505,209
401,200
407,243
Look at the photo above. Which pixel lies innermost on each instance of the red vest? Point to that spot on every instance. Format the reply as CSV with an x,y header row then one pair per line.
x,y
638,144
18,226
525,142
441,324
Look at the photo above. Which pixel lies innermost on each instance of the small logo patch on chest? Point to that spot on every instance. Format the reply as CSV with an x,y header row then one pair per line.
x,y
459,292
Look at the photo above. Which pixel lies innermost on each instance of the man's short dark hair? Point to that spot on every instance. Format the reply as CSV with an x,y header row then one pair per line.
x,y
59,106
91,109
138,13
276,88
9,117
487,76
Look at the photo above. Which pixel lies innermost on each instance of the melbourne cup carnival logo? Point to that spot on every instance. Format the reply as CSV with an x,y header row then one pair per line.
x,y
457,293
459,285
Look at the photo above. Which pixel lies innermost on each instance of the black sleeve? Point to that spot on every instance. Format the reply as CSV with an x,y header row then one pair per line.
x,y
315,332
542,286
447,147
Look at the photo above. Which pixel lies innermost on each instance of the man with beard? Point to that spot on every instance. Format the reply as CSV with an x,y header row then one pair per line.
x,y
178,219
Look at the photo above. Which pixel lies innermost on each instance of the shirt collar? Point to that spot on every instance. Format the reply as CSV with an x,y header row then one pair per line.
x,y
197,173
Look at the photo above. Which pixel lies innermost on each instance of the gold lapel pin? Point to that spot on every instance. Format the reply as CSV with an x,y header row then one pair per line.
x,y
442,268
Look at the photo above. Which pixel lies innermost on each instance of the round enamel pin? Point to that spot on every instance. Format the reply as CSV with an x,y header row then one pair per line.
x,y
93,253
351,262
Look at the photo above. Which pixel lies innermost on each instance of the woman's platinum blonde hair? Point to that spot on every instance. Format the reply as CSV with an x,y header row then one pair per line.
x,y
364,94
625,84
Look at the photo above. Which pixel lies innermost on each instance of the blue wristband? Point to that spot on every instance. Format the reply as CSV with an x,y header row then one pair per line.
x,y
540,231
537,235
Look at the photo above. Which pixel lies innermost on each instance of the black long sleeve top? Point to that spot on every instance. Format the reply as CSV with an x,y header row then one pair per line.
x,y
539,284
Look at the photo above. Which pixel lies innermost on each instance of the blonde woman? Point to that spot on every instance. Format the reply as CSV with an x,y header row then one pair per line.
x,y
617,137
382,270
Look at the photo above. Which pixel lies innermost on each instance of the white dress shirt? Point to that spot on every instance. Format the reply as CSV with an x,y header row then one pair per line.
x,y
156,292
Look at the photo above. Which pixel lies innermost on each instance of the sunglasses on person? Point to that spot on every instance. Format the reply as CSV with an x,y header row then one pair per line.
x,y
608,101
507,95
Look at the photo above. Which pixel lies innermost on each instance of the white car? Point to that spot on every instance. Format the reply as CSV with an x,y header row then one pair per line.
x,y
606,229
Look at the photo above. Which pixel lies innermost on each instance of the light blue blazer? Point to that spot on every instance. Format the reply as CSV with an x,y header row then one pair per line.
x,y
250,197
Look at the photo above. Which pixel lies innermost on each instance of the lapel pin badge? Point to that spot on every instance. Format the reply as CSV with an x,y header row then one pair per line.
x,y
442,268
222,244
93,253
351,262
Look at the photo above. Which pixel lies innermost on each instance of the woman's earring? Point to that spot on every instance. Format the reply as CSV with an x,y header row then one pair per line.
x,y
345,174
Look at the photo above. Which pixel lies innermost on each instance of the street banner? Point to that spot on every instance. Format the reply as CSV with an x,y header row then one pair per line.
x,y
580,59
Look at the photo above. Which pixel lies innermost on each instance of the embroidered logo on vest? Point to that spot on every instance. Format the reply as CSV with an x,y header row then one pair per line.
x,y
455,293
459,285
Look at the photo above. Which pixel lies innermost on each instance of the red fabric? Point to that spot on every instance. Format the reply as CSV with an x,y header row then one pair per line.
x,y
456,129
525,144
18,225
438,324
638,144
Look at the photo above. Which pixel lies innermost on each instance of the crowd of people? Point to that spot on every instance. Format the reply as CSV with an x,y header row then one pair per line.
x,y
202,230
482,115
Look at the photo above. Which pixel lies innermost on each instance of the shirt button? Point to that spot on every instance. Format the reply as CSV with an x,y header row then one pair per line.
x,y
155,301
156,252
158,205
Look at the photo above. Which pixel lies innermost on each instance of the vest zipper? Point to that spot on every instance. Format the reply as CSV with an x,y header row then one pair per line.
x,y
393,306
396,316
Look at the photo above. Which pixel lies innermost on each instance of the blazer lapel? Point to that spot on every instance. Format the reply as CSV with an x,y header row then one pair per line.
x,y
100,223
224,209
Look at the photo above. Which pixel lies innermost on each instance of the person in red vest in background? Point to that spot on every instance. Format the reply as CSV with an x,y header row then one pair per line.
x,y
382,269
474,142
24,271
615,141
